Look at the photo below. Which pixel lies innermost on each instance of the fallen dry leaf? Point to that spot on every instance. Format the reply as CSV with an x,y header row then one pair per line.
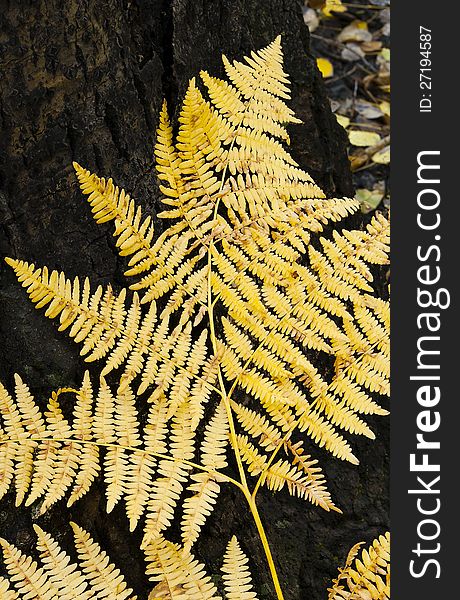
x,y
360,158
383,59
310,18
381,79
368,199
367,110
385,107
325,66
352,52
355,32
382,157
333,6
363,138
373,46
343,120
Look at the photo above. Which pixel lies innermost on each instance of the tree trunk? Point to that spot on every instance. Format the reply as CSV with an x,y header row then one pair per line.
x,y
84,81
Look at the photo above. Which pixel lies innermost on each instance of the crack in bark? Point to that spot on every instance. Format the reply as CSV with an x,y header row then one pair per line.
x,y
169,82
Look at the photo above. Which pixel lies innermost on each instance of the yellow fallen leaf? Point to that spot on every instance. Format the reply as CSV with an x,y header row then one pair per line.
x,y
357,161
368,199
363,138
355,32
385,54
385,107
333,6
325,66
342,120
372,46
382,157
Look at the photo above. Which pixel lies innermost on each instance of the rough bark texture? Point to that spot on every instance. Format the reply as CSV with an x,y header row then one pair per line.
x,y
84,81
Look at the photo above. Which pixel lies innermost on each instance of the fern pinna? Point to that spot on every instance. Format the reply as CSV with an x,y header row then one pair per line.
x,y
233,316
365,576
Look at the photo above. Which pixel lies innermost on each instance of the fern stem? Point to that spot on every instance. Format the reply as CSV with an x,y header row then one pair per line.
x,y
261,478
225,398
266,546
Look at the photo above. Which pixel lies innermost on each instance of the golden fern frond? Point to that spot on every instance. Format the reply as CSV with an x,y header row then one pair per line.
x,y
6,591
236,574
93,578
262,78
65,576
283,473
230,103
202,389
177,574
97,318
271,438
174,474
109,203
122,335
324,434
366,577
17,449
46,455
29,579
285,402
65,459
115,422
259,427
351,250
238,301
205,487
266,334
101,574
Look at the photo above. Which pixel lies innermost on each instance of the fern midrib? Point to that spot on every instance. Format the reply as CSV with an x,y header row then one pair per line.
x,y
226,398
113,445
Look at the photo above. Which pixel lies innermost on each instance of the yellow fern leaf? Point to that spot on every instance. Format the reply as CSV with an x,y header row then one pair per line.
x,y
282,473
7,470
66,457
6,591
21,419
205,487
355,397
195,360
116,419
237,578
97,319
174,474
142,345
366,576
89,465
244,298
180,576
30,579
101,574
109,203
62,574
94,578
138,485
202,389
258,426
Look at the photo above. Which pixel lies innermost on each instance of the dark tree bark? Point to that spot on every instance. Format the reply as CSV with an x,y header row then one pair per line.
x,y
84,80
